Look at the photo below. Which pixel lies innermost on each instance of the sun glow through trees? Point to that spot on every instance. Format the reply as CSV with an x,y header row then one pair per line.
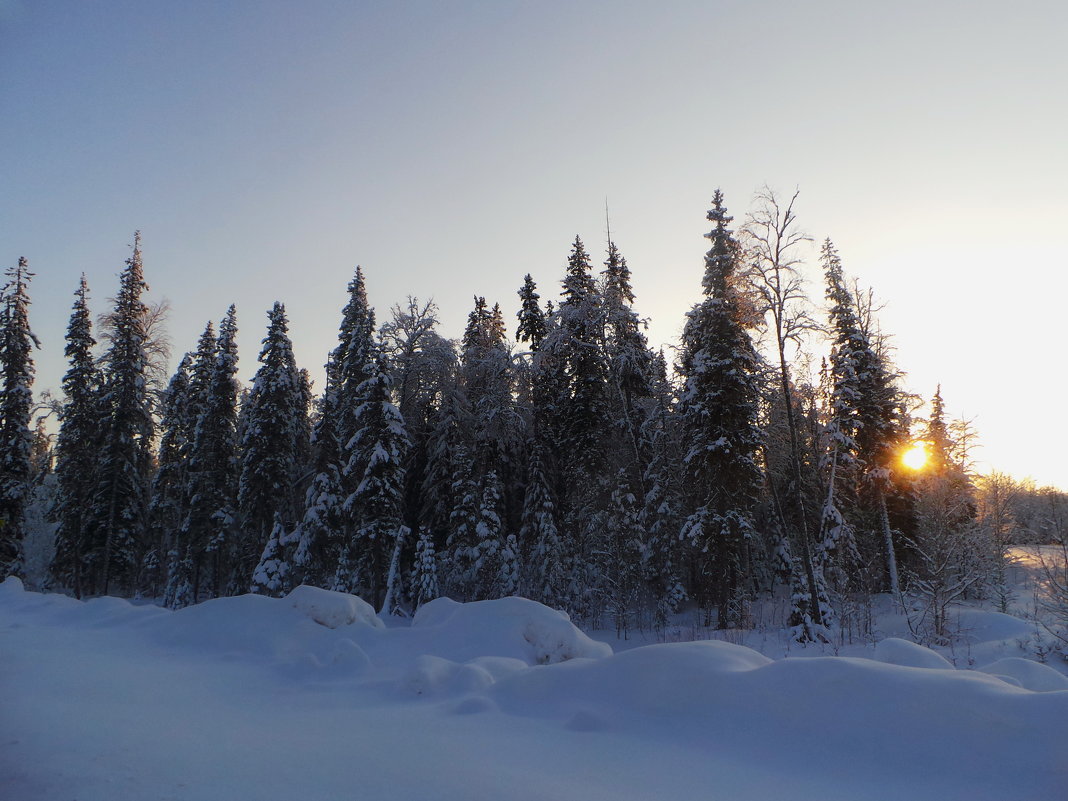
x,y
916,457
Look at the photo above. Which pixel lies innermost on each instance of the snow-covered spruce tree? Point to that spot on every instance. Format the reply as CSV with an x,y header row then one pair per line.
x,y
574,416
346,369
274,417
271,576
532,326
178,593
425,572
208,527
182,404
124,464
16,404
488,568
867,426
493,440
630,370
621,556
662,508
356,361
375,468
462,553
446,461
321,533
42,458
577,345
167,504
304,423
719,410
539,537
201,368
486,370
76,447
530,333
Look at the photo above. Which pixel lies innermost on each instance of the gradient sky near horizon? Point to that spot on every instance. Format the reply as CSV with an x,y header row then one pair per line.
x,y
265,148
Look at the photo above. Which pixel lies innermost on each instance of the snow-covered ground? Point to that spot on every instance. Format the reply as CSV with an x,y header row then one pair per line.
x,y
313,697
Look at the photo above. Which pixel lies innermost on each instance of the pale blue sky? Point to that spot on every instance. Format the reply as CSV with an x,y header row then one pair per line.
x,y
266,148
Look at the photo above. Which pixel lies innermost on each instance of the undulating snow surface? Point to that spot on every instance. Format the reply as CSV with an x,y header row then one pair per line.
x,y
312,697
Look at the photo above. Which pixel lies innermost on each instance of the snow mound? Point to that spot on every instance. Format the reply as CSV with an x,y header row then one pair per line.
x,y
59,609
894,651
985,625
11,587
434,676
247,626
1027,674
508,627
348,657
658,680
474,705
332,609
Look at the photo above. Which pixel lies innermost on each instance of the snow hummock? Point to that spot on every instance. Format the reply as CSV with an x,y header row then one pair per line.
x,y
310,696
512,627
333,609
1027,673
895,651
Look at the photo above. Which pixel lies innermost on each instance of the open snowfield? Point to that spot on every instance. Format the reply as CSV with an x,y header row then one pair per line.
x,y
312,697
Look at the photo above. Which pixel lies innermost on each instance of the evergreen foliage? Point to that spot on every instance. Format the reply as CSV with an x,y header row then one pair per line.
x,y
275,417
719,410
425,572
211,491
532,325
166,506
866,426
120,495
571,468
271,576
375,469
16,405
76,448
539,536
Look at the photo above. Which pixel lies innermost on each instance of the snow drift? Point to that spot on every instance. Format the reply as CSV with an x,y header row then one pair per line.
x,y
312,696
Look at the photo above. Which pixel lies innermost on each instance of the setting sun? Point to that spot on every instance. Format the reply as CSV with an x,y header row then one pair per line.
x,y
915,458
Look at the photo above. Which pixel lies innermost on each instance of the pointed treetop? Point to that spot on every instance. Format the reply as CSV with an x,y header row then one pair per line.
x,y
578,283
532,327
617,275
720,261
718,214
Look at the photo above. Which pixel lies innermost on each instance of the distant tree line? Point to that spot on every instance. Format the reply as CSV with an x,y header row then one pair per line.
x,y
574,464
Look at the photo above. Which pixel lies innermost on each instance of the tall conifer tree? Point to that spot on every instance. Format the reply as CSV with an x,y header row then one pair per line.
x,y
275,415
321,537
76,447
719,407
866,416
16,403
167,504
376,469
125,456
213,467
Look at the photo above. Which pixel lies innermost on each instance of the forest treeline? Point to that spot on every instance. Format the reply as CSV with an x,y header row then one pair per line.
x,y
572,464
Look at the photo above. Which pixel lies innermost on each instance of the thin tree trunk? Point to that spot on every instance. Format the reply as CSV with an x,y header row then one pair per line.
x,y
888,539
795,458
394,567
